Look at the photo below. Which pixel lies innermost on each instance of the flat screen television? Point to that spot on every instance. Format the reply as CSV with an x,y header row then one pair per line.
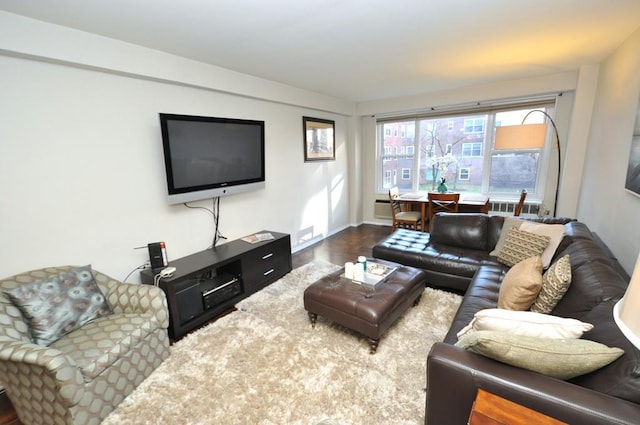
x,y
207,157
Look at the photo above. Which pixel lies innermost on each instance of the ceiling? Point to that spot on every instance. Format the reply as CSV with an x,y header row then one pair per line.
x,y
361,50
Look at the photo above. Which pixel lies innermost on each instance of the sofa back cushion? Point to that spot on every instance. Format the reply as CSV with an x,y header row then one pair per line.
x,y
596,286
460,230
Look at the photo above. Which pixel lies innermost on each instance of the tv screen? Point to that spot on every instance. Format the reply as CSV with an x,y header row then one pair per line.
x,y
206,157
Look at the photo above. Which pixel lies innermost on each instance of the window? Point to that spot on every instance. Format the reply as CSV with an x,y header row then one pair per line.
x,y
474,125
459,147
463,174
472,149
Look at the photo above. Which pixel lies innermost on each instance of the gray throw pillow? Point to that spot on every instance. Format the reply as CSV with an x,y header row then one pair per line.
x,y
559,358
54,307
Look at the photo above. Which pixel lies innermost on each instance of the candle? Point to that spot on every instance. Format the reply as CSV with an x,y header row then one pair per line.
x,y
348,270
358,272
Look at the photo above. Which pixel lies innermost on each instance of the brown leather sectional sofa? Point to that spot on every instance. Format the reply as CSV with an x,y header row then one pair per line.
x,y
456,257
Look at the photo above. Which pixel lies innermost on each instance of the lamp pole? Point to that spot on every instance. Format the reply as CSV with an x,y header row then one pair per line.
x,y
555,203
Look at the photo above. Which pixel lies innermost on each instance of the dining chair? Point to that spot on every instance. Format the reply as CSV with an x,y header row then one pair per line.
x,y
442,202
400,218
520,204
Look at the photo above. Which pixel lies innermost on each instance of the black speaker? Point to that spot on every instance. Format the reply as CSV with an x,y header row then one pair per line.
x,y
157,255
189,302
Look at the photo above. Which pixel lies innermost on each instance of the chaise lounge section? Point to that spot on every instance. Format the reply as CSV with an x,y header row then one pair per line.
x,y
456,256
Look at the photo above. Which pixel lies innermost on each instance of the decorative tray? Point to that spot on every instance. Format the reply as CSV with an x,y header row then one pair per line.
x,y
375,273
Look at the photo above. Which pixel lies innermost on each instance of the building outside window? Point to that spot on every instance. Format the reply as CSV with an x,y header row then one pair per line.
x,y
459,148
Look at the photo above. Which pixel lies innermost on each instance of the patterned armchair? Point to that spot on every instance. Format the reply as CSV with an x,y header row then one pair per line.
x,y
83,376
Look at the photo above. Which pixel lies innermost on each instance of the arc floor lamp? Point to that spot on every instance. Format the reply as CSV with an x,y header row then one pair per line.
x,y
529,136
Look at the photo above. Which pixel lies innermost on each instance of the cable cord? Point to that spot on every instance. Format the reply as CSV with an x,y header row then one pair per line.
x,y
215,213
140,267
216,218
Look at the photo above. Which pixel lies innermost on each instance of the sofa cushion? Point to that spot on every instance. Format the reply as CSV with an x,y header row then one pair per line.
x,y
521,245
97,345
521,285
559,358
555,283
508,224
554,231
526,323
467,231
58,305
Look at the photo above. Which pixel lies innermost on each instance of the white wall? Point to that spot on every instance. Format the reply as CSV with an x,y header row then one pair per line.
x,y
604,204
81,168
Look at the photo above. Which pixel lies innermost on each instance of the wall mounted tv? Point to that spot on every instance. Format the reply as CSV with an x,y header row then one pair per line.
x,y
207,157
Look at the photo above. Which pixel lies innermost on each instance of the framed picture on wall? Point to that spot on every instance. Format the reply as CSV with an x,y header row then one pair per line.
x,y
632,183
319,139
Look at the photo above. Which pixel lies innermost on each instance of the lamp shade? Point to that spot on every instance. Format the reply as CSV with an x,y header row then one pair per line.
x,y
524,136
626,312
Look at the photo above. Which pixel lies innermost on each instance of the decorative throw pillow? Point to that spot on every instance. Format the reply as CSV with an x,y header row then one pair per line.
x,y
526,323
555,232
521,245
559,358
555,283
508,224
521,285
60,304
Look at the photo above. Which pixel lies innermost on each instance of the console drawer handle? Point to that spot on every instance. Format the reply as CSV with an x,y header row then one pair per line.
x,y
264,257
268,272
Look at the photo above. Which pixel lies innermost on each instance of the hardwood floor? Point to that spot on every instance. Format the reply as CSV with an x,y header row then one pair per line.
x,y
344,246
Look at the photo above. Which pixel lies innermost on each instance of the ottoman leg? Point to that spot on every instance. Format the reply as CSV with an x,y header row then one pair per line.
x,y
417,301
373,343
313,317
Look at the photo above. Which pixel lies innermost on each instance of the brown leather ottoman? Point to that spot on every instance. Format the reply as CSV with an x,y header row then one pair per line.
x,y
370,310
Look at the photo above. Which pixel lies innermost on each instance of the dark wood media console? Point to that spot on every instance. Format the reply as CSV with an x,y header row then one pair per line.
x,y
209,282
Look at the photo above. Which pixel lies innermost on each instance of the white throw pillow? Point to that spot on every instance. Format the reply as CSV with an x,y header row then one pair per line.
x,y
526,323
555,232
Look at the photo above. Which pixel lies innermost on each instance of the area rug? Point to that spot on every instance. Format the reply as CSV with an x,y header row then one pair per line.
x,y
265,364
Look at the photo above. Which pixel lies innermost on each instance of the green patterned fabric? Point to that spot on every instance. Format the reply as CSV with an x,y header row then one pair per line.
x,y
555,283
559,358
83,376
521,245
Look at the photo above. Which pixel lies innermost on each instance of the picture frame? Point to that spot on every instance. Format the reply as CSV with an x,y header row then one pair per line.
x,y
632,181
319,139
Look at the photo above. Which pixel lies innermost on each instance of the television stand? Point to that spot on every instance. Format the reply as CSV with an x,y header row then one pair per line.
x,y
209,282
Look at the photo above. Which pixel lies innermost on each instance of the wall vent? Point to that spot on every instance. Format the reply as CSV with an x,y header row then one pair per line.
x,y
382,209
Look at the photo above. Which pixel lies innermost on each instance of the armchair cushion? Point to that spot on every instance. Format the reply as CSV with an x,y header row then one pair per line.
x,y
60,304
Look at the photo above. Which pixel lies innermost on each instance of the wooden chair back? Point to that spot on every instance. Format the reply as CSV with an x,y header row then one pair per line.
x,y
518,209
402,219
442,202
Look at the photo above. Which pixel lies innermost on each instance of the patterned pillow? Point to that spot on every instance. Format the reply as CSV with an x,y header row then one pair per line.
x,y
555,283
521,245
61,304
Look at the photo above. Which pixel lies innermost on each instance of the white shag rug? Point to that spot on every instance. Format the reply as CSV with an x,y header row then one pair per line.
x,y
265,364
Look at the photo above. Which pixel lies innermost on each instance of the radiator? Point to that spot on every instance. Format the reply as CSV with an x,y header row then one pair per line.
x,y
382,209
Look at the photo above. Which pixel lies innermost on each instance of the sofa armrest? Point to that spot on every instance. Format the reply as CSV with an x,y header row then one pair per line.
x,y
25,364
454,375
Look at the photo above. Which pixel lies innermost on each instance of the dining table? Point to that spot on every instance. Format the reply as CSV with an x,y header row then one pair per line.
x,y
470,202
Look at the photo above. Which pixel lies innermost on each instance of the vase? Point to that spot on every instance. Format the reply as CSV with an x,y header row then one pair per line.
x,y
442,188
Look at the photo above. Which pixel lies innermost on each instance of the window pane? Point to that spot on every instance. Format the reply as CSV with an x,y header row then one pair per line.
x,y
512,172
397,154
446,146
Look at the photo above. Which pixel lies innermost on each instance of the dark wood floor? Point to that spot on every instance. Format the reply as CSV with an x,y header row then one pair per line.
x,y
344,246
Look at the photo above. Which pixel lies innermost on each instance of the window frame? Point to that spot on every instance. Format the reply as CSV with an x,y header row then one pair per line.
x,y
486,147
